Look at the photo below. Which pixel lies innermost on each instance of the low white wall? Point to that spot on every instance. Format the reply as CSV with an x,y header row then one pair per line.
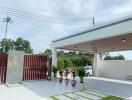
x,y
117,69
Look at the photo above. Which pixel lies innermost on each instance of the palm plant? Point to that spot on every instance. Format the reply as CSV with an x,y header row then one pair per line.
x,y
81,73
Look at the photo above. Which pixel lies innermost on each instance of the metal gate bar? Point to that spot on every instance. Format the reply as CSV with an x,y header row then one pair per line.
x,y
3,67
36,67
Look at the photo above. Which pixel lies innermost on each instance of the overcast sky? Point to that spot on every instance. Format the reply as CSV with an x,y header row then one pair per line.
x,y
40,34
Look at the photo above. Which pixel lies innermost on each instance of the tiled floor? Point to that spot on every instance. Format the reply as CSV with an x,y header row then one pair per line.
x,y
41,90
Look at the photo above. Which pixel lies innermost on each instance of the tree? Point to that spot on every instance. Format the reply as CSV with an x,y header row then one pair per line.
x,y
20,45
8,43
120,57
48,52
23,45
69,59
60,63
85,60
67,62
59,53
108,58
103,54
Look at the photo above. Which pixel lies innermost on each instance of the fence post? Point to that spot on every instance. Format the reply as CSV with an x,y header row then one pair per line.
x,y
14,73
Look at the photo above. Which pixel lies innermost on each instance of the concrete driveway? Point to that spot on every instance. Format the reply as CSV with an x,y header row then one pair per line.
x,y
40,90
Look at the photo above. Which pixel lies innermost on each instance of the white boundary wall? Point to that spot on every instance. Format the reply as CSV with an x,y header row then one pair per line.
x,y
117,69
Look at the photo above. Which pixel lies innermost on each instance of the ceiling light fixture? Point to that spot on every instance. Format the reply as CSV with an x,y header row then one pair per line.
x,y
113,48
123,40
93,44
75,47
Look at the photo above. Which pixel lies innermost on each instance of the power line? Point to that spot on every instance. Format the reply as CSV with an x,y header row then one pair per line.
x,y
38,19
38,15
35,18
42,18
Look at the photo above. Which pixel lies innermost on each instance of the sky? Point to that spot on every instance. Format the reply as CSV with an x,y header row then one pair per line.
x,y
40,34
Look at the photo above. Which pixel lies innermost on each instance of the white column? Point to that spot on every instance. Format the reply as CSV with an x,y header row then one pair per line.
x,y
95,63
54,56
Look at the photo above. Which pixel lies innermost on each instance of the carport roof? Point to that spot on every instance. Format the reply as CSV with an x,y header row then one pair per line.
x,y
114,22
105,38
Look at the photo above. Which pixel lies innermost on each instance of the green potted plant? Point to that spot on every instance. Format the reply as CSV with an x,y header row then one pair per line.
x,y
66,72
81,73
73,81
55,69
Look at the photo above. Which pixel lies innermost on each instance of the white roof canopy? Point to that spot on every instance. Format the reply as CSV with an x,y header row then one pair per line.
x,y
115,36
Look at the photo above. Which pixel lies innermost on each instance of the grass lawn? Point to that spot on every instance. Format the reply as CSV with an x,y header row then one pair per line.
x,y
85,95
112,98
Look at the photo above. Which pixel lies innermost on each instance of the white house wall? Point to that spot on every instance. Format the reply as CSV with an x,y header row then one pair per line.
x,y
114,69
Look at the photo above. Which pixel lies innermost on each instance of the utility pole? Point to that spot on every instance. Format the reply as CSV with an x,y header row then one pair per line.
x,y
93,21
7,20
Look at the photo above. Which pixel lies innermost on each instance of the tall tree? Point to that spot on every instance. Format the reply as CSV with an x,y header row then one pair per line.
x,y
48,52
20,44
23,45
120,57
8,43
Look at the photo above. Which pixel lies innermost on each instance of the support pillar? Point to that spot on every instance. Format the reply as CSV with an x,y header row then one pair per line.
x,y
95,64
54,57
14,73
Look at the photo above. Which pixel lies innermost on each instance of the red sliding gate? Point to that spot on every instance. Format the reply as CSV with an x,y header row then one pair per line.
x,y
36,67
3,67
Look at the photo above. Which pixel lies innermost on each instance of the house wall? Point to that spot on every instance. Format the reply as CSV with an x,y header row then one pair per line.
x,y
117,69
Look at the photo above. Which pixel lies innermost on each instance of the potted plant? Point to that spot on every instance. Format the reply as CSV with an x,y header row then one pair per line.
x,y
73,81
81,73
55,72
61,76
66,72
